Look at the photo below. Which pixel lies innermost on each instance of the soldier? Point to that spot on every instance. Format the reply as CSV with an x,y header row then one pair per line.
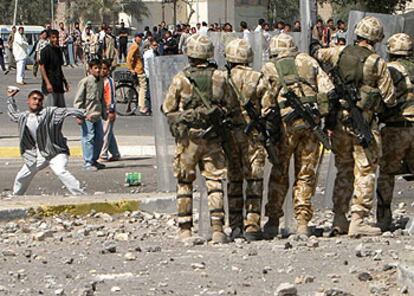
x,y
290,70
357,154
398,133
249,90
185,106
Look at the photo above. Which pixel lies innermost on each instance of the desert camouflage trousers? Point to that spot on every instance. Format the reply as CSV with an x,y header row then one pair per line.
x,y
356,168
247,163
209,157
397,158
305,148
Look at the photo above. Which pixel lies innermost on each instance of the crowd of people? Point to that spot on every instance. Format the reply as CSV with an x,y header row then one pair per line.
x,y
288,109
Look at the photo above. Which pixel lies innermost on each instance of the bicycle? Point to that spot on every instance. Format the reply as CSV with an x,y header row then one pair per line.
x,y
126,92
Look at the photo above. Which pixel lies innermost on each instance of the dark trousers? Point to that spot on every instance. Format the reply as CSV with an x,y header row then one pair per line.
x,y
65,52
123,50
3,67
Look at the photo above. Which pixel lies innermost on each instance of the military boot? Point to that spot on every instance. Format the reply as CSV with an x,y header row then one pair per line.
x,y
302,228
340,224
184,233
218,236
251,233
271,228
384,218
358,228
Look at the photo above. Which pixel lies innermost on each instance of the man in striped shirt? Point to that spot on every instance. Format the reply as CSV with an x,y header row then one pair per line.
x,y
42,143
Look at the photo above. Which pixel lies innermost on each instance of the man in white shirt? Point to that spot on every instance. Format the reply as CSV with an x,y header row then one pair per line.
x,y
245,30
20,47
204,29
259,27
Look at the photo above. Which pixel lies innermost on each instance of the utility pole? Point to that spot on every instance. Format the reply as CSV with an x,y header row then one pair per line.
x,y
52,12
175,12
225,11
15,12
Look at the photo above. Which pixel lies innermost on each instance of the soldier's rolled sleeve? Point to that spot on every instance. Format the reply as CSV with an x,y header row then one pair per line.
x,y
170,103
324,84
385,84
329,55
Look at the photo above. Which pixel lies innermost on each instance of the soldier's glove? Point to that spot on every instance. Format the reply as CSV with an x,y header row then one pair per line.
x,y
333,100
273,124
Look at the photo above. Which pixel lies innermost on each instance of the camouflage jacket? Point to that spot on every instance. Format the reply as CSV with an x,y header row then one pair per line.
x,y
317,81
404,94
253,87
375,74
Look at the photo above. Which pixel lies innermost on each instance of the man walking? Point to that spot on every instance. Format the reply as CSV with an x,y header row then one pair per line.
x,y
54,82
11,61
2,66
42,143
77,44
20,47
123,42
37,49
63,43
135,65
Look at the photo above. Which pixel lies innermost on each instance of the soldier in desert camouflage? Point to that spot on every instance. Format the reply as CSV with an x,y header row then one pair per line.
x,y
249,155
398,133
360,66
188,118
302,74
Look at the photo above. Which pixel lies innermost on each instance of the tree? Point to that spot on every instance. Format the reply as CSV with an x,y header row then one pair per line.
x,y
190,4
282,10
36,12
105,11
341,8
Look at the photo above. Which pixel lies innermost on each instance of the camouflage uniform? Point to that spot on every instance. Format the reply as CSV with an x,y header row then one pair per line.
x,y
357,166
298,140
248,158
398,134
191,149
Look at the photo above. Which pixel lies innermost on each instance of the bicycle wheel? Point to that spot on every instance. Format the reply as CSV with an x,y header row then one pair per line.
x,y
126,99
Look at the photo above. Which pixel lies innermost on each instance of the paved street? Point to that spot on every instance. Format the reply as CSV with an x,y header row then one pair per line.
x,y
125,126
134,134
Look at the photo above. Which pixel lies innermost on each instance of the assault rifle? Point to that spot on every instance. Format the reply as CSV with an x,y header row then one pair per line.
x,y
258,122
219,123
358,124
305,112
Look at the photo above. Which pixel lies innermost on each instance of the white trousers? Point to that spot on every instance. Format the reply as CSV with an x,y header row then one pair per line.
x,y
58,166
20,65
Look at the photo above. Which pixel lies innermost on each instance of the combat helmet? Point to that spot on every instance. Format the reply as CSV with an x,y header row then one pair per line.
x,y
370,28
239,51
199,47
400,44
282,42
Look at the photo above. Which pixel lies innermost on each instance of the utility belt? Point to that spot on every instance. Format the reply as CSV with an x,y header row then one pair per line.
x,y
400,124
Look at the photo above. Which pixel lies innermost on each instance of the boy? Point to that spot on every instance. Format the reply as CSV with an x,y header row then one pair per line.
x,y
109,141
42,143
90,97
